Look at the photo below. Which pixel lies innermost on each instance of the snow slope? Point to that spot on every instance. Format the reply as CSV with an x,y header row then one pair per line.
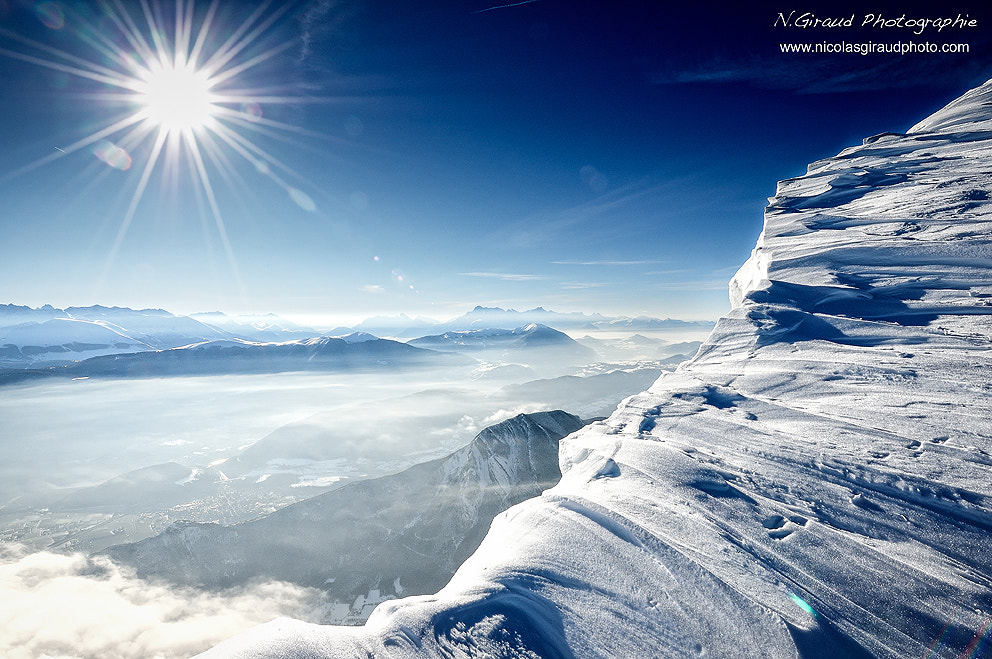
x,y
816,482
61,341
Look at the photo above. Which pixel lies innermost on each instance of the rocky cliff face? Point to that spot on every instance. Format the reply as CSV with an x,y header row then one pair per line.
x,y
816,482
404,533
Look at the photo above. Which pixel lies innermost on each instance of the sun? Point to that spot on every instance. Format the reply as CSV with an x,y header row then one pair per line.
x,y
176,98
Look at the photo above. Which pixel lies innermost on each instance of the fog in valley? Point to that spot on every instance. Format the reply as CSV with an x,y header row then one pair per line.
x,y
90,465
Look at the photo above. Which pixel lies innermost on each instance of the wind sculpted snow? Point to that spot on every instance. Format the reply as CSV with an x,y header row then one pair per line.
x,y
816,482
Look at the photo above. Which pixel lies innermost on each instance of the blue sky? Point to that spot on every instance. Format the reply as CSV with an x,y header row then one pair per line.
x,y
426,157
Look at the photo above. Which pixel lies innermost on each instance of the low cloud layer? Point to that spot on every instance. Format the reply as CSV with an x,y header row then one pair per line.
x,y
73,606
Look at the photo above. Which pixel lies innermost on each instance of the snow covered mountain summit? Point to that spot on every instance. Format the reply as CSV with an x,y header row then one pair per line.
x,y
816,482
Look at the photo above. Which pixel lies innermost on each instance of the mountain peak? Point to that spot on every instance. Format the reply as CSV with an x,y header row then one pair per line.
x,y
967,113
479,309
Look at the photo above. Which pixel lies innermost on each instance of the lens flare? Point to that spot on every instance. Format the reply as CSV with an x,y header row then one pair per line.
x,y
113,155
251,111
803,604
971,652
50,15
302,199
943,634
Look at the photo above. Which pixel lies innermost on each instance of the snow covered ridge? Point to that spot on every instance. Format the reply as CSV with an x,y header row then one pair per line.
x,y
816,482
919,196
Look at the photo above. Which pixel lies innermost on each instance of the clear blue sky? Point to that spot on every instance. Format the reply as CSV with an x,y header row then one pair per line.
x,y
425,157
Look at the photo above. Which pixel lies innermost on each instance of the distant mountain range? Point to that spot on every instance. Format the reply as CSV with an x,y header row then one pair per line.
x,y
225,357
496,318
269,327
118,341
405,533
539,345
232,357
658,349
156,328
47,336
529,336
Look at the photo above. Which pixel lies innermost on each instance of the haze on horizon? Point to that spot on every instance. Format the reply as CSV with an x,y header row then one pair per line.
x,y
363,159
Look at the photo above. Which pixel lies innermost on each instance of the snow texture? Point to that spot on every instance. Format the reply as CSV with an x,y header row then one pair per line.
x,y
815,482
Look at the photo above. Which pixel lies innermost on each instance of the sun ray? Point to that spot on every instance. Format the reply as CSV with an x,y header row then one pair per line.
x,y
281,131
207,187
254,154
159,48
129,29
172,168
230,48
254,61
111,50
201,37
133,205
184,27
113,129
95,72
222,162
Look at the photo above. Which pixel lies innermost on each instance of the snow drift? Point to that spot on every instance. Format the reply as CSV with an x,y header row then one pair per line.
x,y
816,482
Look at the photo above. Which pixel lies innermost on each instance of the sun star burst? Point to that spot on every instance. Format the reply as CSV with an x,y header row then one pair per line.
x,y
175,86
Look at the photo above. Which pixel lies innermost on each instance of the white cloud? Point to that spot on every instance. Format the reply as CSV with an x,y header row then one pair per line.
x,y
502,415
314,15
811,76
699,285
605,262
78,607
541,228
655,273
512,4
502,275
